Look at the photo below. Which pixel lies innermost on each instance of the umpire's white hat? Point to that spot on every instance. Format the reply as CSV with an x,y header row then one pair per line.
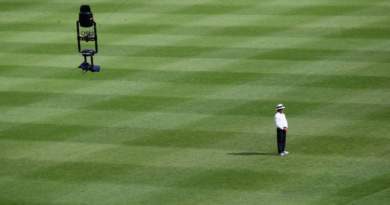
x,y
279,107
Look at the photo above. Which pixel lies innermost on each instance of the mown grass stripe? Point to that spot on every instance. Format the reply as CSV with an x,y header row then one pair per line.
x,y
156,66
236,53
187,118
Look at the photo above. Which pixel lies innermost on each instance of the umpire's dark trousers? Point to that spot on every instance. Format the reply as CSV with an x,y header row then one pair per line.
x,y
281,138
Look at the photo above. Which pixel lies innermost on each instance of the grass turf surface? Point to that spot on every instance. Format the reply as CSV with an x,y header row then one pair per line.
x,y
182,110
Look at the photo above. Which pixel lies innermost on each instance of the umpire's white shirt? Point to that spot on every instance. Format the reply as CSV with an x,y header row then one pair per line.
x,y
280,120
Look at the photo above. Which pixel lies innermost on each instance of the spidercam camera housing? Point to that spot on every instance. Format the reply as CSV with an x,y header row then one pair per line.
x,y
86,21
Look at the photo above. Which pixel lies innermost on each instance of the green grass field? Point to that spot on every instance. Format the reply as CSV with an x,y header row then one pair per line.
x,y
182,109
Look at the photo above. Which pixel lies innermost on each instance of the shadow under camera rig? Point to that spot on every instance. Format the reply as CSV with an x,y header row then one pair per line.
x,y
86,21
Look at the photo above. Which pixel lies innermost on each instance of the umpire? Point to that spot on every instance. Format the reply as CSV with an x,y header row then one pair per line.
x,y
281,129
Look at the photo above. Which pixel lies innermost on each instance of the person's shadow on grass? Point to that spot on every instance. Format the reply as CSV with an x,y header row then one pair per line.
x,y
253,153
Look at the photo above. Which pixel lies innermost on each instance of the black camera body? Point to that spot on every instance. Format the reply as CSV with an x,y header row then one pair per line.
x,y
85,16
